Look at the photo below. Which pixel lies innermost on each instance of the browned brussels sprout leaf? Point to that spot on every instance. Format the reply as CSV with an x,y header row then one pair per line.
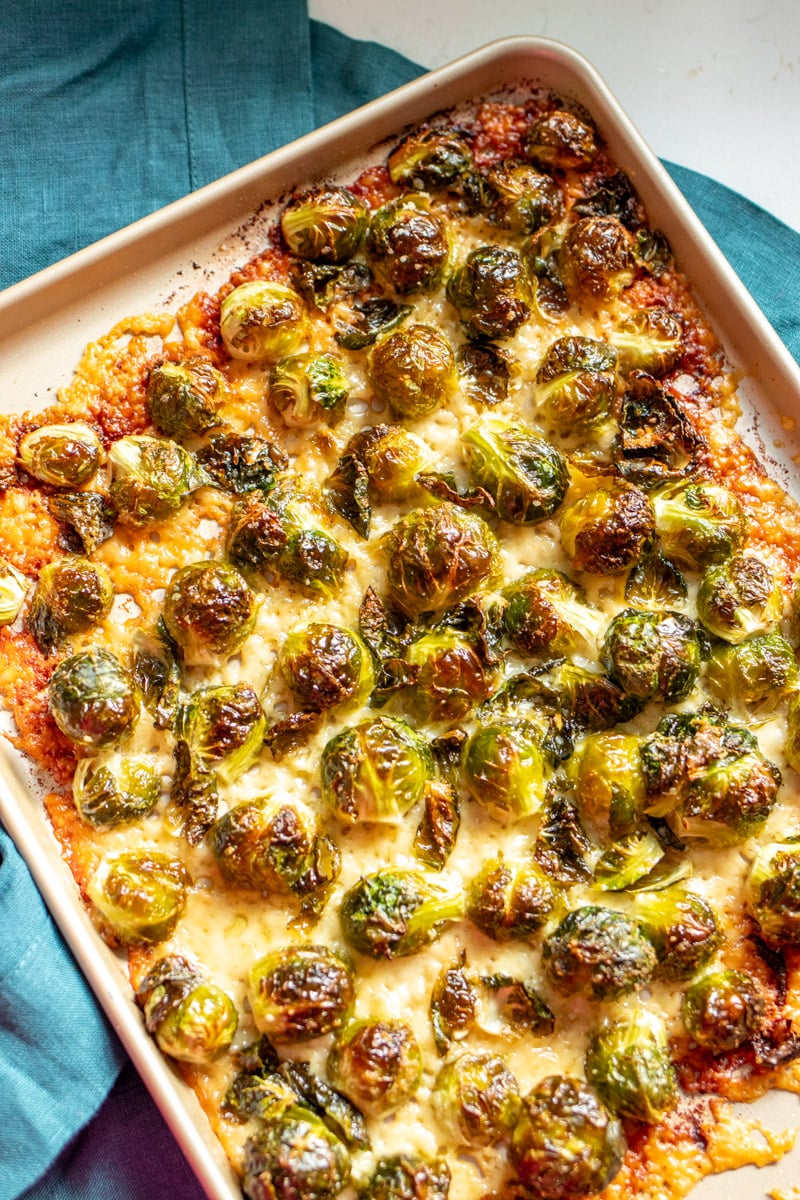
x,y
438,829
358,324
384,629
194,798
613,197
314,887
88,516
321,283
656,442
454,1006
561,845
239,464
157,675
347,490
257,1089
518,1005
289,733
443,485
339,1114
446,751
652,251
485,372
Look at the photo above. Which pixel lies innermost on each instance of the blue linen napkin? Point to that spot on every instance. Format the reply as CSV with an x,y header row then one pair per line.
x,y
119,109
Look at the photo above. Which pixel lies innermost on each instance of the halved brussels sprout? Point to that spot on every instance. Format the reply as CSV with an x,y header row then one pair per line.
x,y
407,1177
628,1064
757,672
262,320
509,901
650,339
190,1019
295,1155
307,388
561,139
772,892
325,666
324,223
653,655
429,159
608,530
186,397
698,523
391,914
413,370
375,771
377,1064
115,788
738,598
491,292
314,560
299,993
609,785
223,728
392,462
596,258
722,1009
476,1099
523,473
728,801
151,478
504,770
274,845
62,455
92,699
598,953
546,613
13,588
523,199
576,383
408,245
682,927
209,611
71,595
140,895
450,678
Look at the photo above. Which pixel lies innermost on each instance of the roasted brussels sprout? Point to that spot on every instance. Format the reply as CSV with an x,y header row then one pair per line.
x,y
240,464
272,845
523,473
575,383
295,1155
186,397
655,583
698,523
682,927
609,786
151,478
757,672
408,245
115,788
325,666
13,587
140,895
391,914
62,455
722,1009
377,1064
413,370
429,159
392,461
223,728
307,388
485,371
510,901
628,1064
655,442
209,611
596,258
375,771
522,198
504,770
407,1177
730,800
608,530
256,536
71,595
650,339
738,598
561,139
262,321
476,1099
598,953
314,560
491,292
653,655
546,613
451,676
437,557
628,862
324,223
92,699
566,1145
190,1019
298,993
772,892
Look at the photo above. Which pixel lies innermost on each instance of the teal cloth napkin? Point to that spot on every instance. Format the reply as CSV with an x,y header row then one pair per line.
x,y
112,110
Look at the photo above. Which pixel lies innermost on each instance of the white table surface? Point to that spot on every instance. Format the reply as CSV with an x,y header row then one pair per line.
x,y
711,84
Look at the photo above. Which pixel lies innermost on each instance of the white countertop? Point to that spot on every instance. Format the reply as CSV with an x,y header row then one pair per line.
x,y
711,84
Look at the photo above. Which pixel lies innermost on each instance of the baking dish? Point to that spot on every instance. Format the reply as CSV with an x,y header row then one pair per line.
x,y
153,264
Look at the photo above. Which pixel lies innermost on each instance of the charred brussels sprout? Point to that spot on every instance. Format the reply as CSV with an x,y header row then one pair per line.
x,y
186,397
375,771
653,655
650,339
307,388
150,479
223,728
491,292
92,699
190,1019
391,914
115,788
13,587
324,224
523,473
596,258
509,902
240,464
476,1099
299,993
209,611
628,1065
62,455
392,461
71,595
546,613
437,557
683,929
722,1009
756,672
313,560
561,139
325,666
451,676
523,199
772,892
655,442
413,370
504,770
261,320
377,1064
429,159
575,383
730,800
140,895
598,953
566,1145
408,245
698,523
274,846
738,598
407,1177
610,786
295,1155
608,530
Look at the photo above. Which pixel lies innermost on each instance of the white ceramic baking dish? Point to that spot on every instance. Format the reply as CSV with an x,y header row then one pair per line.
x,y
45,322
